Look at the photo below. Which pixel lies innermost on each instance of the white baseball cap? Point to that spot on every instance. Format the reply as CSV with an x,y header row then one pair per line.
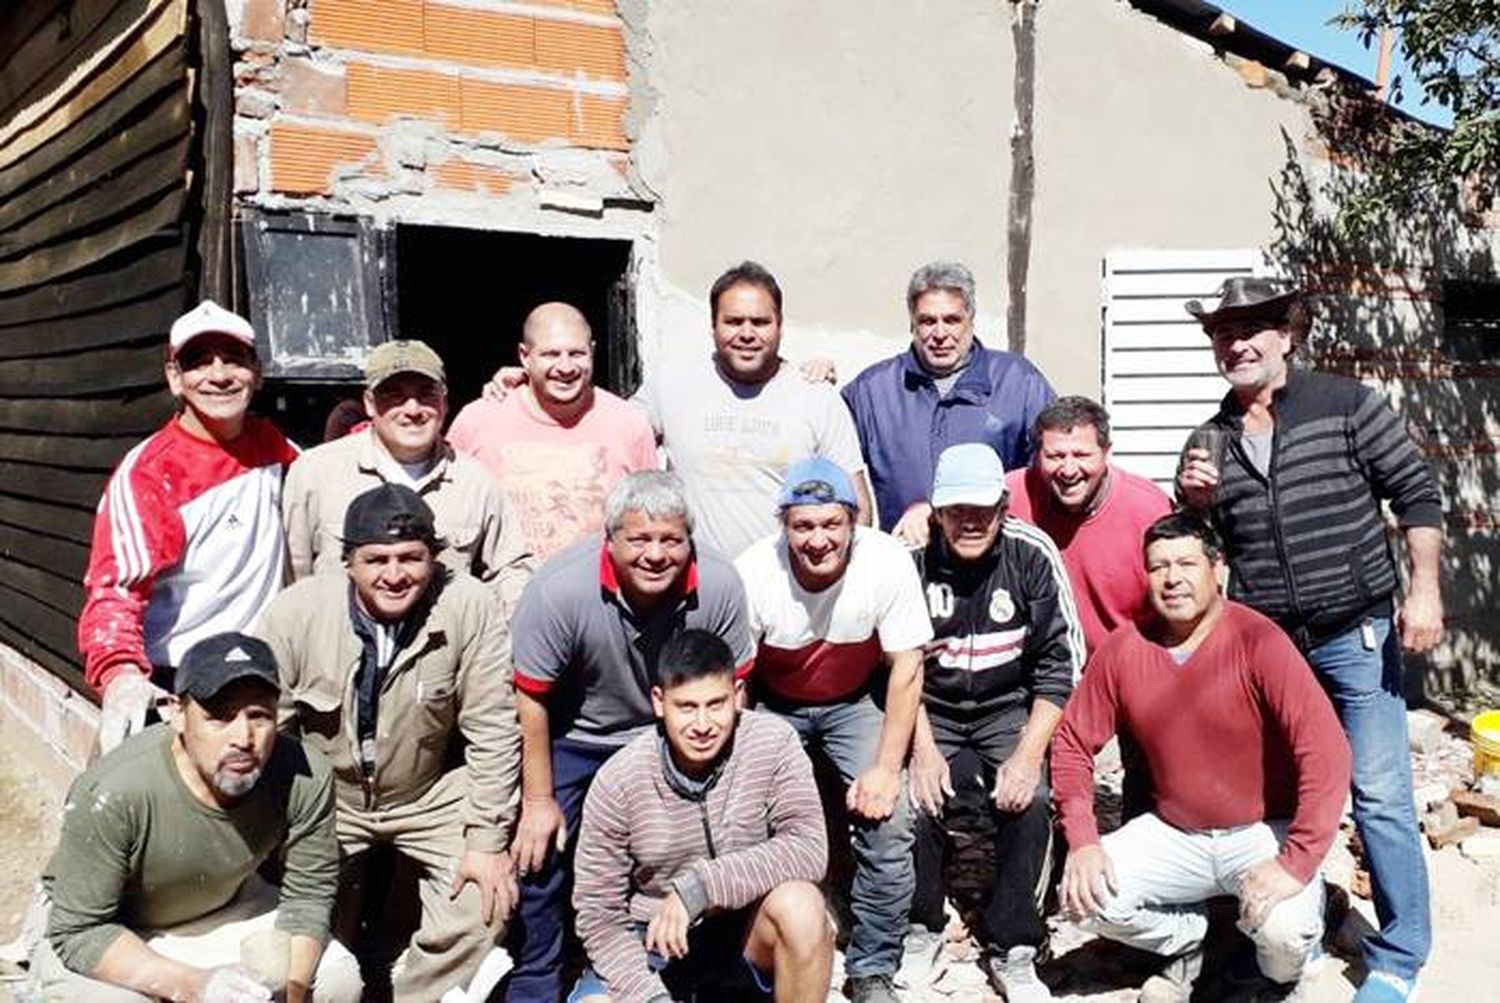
x,y
968,474
209,318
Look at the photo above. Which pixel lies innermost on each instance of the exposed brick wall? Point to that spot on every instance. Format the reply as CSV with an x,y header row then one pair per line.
x,y
63,721
304,158
330,91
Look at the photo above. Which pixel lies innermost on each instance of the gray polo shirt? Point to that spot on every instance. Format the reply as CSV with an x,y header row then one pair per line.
x,y
579,648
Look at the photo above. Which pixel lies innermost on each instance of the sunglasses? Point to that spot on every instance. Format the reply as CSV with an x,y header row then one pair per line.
x,y
819,491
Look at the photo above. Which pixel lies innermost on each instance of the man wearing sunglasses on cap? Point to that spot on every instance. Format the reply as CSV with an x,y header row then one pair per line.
x,y
838,612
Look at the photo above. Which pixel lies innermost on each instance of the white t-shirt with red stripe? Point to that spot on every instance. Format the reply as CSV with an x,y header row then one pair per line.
x,y
823,647
188,543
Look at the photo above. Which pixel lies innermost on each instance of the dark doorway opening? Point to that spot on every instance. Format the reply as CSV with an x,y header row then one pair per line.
x,y
467,292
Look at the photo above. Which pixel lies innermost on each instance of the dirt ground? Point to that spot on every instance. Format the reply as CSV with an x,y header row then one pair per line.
x,y
1466,915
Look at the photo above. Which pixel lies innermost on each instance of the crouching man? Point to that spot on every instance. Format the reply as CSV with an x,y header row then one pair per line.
x,y
995,681
399,672
1248,762
700,848
153,887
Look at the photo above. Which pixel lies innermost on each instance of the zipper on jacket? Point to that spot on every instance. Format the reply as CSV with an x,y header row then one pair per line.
x,y
1273,499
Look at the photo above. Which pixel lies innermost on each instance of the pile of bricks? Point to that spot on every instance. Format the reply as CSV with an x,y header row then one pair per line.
x,y
1458,809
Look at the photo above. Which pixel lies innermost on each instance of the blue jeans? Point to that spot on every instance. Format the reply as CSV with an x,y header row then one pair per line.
x,y
543,914
848,734
1364,681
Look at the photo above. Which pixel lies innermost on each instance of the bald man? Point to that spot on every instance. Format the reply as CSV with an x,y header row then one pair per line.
x,y
557,444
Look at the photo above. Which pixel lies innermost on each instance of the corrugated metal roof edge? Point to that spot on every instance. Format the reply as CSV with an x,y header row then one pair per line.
x,y
1195,18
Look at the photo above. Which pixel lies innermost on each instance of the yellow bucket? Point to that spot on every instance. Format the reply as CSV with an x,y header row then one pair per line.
x,y
1485,734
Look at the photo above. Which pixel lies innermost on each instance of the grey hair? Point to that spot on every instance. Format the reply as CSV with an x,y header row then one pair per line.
x,y
949,276
657,493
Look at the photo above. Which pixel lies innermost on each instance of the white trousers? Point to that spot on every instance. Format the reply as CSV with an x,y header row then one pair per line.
x,y
1166,875
210,941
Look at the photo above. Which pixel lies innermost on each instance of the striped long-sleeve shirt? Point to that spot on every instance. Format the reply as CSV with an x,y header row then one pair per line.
x,y
1306,542
641,839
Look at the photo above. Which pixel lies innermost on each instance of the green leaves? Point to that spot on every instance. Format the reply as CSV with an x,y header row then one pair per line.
x,y
1453,49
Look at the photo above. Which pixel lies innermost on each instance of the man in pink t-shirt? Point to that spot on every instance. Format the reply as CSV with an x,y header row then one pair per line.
x,y
1095,512
557,444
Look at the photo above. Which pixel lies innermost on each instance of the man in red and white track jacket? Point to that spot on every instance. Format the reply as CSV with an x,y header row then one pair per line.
x,y
188,539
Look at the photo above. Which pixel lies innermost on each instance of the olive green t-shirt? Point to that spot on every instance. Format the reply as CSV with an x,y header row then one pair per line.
x,y
139,852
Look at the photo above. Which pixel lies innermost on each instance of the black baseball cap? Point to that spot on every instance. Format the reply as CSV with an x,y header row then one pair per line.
x,y
390,513
215,662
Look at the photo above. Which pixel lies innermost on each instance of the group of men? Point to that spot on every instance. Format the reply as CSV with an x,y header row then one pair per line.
x,y
569,689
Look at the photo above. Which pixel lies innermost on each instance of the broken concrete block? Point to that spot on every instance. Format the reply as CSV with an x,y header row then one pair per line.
x,y
1429,794
1485,807
1457,832
1483,845
1442,817
1339,866
1424,730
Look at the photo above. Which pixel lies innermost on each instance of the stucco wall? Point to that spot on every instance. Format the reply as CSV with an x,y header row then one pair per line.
x,y
840,144
844,144
1144,138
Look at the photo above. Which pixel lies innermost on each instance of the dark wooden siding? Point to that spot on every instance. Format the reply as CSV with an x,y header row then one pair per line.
x,y
100,241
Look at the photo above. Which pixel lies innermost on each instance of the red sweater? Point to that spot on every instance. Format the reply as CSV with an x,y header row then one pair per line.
x,y
1102,551
1239,733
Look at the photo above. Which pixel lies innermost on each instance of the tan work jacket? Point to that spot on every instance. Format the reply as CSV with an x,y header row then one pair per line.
x,y
448,689
467,505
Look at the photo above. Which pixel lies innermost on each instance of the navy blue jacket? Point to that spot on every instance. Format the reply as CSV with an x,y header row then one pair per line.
x,y
903,426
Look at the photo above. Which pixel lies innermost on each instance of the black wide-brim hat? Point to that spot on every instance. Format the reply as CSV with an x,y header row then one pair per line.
x,y
1246,298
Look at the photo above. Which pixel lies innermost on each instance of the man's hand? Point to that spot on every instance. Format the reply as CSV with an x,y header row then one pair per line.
x,y
232,984
873,794
542,827
1421,620
819,370
127,698
1198,480
1087,875
914,527
667,933
931,780
1261,888
1016,782
506,379
496,877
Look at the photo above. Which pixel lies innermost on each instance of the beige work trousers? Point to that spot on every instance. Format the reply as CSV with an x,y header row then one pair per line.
x,y
210,941
452,938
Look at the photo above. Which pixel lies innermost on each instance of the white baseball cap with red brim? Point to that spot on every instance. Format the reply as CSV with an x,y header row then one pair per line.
x,y
209,318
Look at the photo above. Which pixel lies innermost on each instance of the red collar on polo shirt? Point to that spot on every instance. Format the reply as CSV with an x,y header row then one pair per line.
x,y
610,582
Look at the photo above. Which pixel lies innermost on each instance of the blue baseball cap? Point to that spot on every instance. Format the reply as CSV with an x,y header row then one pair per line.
x,y
968,474
816,481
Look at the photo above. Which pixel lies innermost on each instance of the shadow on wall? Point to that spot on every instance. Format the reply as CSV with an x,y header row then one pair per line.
x,y
1379,299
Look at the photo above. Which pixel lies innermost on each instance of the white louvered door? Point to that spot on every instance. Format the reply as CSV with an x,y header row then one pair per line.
x,y
1159,375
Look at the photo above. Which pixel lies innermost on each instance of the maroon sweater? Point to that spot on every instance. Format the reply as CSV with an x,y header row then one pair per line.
x,y
1239,733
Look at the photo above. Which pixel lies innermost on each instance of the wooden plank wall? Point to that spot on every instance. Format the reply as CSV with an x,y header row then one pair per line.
x,y
97,256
